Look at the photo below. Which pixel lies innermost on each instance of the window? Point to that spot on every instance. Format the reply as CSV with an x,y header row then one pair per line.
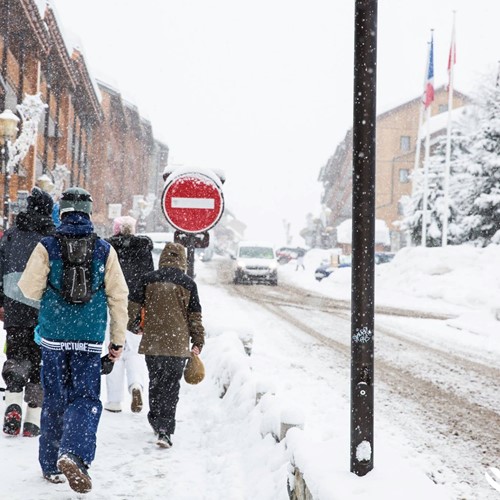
x,y
404,175
404,143
442,108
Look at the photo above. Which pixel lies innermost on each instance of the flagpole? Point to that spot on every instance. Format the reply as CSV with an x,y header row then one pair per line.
x,y
421,119
426,178
428,98
446,197
418,146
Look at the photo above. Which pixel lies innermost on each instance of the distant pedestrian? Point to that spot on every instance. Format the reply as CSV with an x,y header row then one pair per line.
x,y
172,321
136,260
300,260
21,370
77,278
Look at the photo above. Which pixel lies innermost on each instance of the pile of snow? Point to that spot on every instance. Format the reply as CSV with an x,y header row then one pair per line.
x,y
461,281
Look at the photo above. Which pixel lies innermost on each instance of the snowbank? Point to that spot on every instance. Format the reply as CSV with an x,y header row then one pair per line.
x,y
461,281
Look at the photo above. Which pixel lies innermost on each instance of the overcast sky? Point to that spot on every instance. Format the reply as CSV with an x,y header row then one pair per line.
x,y
263,88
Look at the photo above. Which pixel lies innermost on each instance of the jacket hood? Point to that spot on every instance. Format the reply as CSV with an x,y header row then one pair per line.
x,y
173,255
34,221
76,224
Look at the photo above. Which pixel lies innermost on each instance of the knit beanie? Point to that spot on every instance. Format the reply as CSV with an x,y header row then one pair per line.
x,y
124,225
39,201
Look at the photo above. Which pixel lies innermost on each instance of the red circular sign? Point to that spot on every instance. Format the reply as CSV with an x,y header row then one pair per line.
x,y
192,202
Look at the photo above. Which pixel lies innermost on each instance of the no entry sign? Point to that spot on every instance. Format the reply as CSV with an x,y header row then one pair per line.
x,y
192,201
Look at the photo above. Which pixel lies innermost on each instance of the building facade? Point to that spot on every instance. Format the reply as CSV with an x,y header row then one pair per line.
x,y
89,136
396,144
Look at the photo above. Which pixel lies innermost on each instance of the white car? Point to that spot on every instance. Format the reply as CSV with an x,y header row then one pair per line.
x,y
255,262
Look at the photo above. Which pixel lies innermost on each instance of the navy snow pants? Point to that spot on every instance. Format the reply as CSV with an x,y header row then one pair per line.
x,y
71,382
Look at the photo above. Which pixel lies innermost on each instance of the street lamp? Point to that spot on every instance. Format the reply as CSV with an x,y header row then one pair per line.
x,y
8,133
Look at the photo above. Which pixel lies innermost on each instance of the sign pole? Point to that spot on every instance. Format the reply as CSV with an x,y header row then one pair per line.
x,y
190,261
363,236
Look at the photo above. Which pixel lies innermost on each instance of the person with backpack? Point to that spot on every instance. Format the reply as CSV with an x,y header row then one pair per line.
x,y
21,370
77,277
172,320
136,259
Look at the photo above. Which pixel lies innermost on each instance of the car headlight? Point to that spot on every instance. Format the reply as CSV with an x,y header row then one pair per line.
x,y
240,264
273,265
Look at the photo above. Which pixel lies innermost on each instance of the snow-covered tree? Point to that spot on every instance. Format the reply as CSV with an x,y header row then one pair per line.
x,y
474,190
481,223
413,205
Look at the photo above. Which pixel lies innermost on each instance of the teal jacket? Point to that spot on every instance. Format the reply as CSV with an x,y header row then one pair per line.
x,y
59,320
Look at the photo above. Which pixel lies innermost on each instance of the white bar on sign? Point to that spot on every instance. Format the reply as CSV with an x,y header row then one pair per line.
x,y
193,203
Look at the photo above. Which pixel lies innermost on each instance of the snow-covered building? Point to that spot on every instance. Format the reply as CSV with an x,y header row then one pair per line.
x,y
396,142
69,145
344,236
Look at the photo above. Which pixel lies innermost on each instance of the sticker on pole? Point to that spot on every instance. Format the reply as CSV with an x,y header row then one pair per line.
x,y
192,202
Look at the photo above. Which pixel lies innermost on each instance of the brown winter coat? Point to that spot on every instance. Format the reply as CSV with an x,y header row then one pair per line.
x,y
172,310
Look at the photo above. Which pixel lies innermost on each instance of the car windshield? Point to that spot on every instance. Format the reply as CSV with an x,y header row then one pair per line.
x,y
256,253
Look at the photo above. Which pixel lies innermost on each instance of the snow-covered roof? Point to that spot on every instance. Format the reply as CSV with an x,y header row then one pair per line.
x,y
71,40
440,121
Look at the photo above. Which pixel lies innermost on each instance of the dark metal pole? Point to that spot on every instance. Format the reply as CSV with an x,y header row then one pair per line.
x,y
190,260
363,236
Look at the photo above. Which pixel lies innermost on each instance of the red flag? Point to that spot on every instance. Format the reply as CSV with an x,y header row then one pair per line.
x,y
452,56
428,96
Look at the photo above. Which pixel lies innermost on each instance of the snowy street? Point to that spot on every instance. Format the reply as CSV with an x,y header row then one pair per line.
x,y
436,407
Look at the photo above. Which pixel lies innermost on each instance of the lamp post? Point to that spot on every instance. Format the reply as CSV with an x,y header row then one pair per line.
x,y
8,133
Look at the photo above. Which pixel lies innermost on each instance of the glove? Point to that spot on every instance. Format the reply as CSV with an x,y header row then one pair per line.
x,y
106,365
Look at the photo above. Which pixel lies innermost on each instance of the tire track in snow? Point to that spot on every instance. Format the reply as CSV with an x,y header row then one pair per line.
x,y
443,421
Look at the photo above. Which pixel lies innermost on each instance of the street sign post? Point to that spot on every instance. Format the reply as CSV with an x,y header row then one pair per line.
x,y
192,202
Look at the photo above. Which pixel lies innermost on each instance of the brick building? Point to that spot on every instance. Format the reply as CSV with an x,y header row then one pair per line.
x,y
396,140
98,140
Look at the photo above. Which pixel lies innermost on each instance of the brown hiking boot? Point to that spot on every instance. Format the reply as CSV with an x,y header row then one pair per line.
x,y
76,472
136,405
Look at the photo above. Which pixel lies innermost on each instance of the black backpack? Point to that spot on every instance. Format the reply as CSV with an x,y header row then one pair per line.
x,y
76,280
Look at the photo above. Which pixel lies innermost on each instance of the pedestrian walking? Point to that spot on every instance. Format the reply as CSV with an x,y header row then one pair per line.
x,y
77,278
136,259
21,370
172,320
300,260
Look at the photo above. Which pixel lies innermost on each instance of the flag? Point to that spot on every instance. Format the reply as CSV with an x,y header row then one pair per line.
x,y
452,56
428,96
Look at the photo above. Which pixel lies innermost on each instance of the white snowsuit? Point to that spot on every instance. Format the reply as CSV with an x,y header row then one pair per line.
x,y
130,365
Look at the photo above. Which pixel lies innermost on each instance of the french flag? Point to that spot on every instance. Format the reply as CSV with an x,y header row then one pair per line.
x,y
428,96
